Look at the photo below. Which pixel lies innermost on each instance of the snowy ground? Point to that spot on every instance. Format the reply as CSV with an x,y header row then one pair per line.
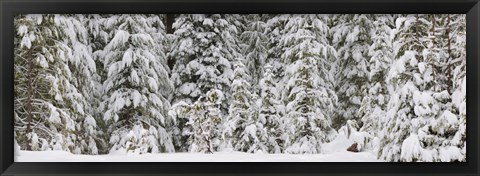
x,y
335,152
61,156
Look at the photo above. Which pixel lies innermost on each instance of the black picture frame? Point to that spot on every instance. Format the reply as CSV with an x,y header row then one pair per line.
x,y
9,8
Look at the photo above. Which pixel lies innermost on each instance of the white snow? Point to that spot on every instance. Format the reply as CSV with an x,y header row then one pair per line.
x,y
22,30
26,41
121,37
411,148
54,115
449,153
136,97
421,67
127,58
120,156
208,22
152,83
450,117
334,151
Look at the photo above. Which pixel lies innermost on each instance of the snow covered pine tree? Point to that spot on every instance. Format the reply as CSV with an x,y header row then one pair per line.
x,y
51,62
270,115
135,107
205,115
307,99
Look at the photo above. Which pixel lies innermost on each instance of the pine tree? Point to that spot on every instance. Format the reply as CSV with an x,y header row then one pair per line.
x,y
137,81
50,62
414,102
205,115
162,45
446,132
83,69
254,50
308,100
274,31
352,39
457,49
182,131
241,127
205,46
98,37
270,113
439,40
374,104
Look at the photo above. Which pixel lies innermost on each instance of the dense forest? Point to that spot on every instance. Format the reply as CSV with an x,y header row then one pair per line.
x,y
156,83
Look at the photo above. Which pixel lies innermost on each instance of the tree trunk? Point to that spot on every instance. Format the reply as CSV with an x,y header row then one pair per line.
x,y
29,98
436,67
417,36
433,30
169,19
449,61
169,22
448,35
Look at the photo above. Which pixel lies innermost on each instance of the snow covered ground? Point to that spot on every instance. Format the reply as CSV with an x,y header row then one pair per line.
x,y
335,151
62,156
